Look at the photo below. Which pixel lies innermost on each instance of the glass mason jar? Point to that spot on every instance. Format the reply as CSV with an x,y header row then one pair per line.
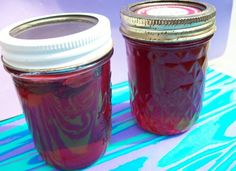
x,y
166,43
60,65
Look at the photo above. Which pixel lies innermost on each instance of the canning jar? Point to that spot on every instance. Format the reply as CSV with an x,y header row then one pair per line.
x,y
166,44
60,65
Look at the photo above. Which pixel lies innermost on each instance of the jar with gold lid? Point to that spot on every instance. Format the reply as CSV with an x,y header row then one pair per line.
x,y
167,43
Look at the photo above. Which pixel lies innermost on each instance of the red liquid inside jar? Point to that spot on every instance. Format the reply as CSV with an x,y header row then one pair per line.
x,y
69,113
167,84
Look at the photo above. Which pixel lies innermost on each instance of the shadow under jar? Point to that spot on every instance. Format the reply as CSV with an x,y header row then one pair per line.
x,y
166,44
60,65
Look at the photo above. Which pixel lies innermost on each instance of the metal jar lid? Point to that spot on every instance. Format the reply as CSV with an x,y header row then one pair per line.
x,y
168,21
56,43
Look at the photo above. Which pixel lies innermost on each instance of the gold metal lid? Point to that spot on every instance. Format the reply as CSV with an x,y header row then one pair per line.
x,y
168,21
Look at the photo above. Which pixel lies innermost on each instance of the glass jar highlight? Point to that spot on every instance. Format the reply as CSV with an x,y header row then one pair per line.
x,y
166,43
60,65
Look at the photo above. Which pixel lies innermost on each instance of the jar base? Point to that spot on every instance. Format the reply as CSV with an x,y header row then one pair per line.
x,y
163,133
69,159
149,126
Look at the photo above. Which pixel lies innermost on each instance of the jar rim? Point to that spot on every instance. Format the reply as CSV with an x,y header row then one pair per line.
x,y
168,28
50,20
59,52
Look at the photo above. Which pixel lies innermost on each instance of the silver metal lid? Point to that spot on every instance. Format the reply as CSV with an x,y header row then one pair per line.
x,y
168,21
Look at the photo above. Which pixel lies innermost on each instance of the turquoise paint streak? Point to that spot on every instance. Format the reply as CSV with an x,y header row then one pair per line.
x,y
130,141
198,163
134,165
14,144
21,162
129,149
226,159
202,138
122,126
11,119
122,112
13,131
119,96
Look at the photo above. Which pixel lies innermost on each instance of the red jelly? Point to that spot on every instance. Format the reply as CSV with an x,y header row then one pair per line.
x,y
67,107
167,57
